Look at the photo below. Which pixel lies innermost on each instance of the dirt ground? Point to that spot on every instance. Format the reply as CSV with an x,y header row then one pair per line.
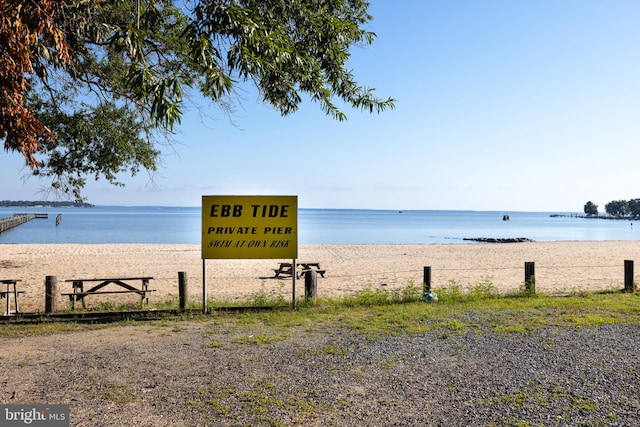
x,y
218,373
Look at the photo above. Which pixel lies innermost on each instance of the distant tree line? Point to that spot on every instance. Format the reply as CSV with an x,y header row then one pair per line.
x,y
624,209
42,203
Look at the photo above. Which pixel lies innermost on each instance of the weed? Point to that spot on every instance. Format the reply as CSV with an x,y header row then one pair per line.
x,y
452,293
218,407
586,405
528,287
106,306
214,344
169,303
264,298
333,350
580,294
262,339
410,293
379,312
117,393
367,297
454,324
376,297
484,290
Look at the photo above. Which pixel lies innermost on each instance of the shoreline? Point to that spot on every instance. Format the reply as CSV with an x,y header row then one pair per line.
x,y
561,267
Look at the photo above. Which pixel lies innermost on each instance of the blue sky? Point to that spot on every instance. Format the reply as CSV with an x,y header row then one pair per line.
x,y
502,105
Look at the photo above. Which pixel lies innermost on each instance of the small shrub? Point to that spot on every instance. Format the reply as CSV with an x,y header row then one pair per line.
x,y
451,293
369,296
482,291
264,298
411,292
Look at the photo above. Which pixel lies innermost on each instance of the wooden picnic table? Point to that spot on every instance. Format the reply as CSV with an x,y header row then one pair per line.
x,y
79,293
285,269
11,283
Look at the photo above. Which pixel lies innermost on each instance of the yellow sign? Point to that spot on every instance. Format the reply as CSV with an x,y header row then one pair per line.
x,y
249,227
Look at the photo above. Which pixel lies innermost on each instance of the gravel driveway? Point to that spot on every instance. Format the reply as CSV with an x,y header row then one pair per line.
x,y
208,374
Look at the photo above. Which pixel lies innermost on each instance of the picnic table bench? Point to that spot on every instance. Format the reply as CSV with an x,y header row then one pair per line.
x,y
79,293
11,283
285,269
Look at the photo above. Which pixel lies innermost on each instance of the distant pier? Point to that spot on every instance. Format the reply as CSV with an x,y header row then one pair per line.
x,y
18,219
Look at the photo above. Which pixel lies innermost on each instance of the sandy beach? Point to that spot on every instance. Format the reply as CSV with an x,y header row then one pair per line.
x,y
561,267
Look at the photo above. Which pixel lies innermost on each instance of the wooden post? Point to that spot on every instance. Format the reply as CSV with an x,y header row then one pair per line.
x,y
51,294
182,289
530,277
204,286
628,276
310,284
294,268
426,280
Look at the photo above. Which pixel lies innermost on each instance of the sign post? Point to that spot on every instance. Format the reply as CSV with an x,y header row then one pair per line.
x,y
248,227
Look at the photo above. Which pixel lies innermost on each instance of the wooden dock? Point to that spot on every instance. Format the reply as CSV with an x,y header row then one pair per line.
x,y
18,219
35,215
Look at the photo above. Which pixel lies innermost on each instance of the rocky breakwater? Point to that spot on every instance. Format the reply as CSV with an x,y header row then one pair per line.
x,y
498,239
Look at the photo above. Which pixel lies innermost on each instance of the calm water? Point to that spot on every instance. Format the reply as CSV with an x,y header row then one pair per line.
x,y
116,224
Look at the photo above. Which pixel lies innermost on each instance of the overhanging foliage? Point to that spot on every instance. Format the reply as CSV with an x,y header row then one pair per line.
x,y
89,88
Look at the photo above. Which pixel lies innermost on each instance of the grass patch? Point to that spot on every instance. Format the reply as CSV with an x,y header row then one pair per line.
x,y
120,394
261,403
332,350
399,311
262,339
370,297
